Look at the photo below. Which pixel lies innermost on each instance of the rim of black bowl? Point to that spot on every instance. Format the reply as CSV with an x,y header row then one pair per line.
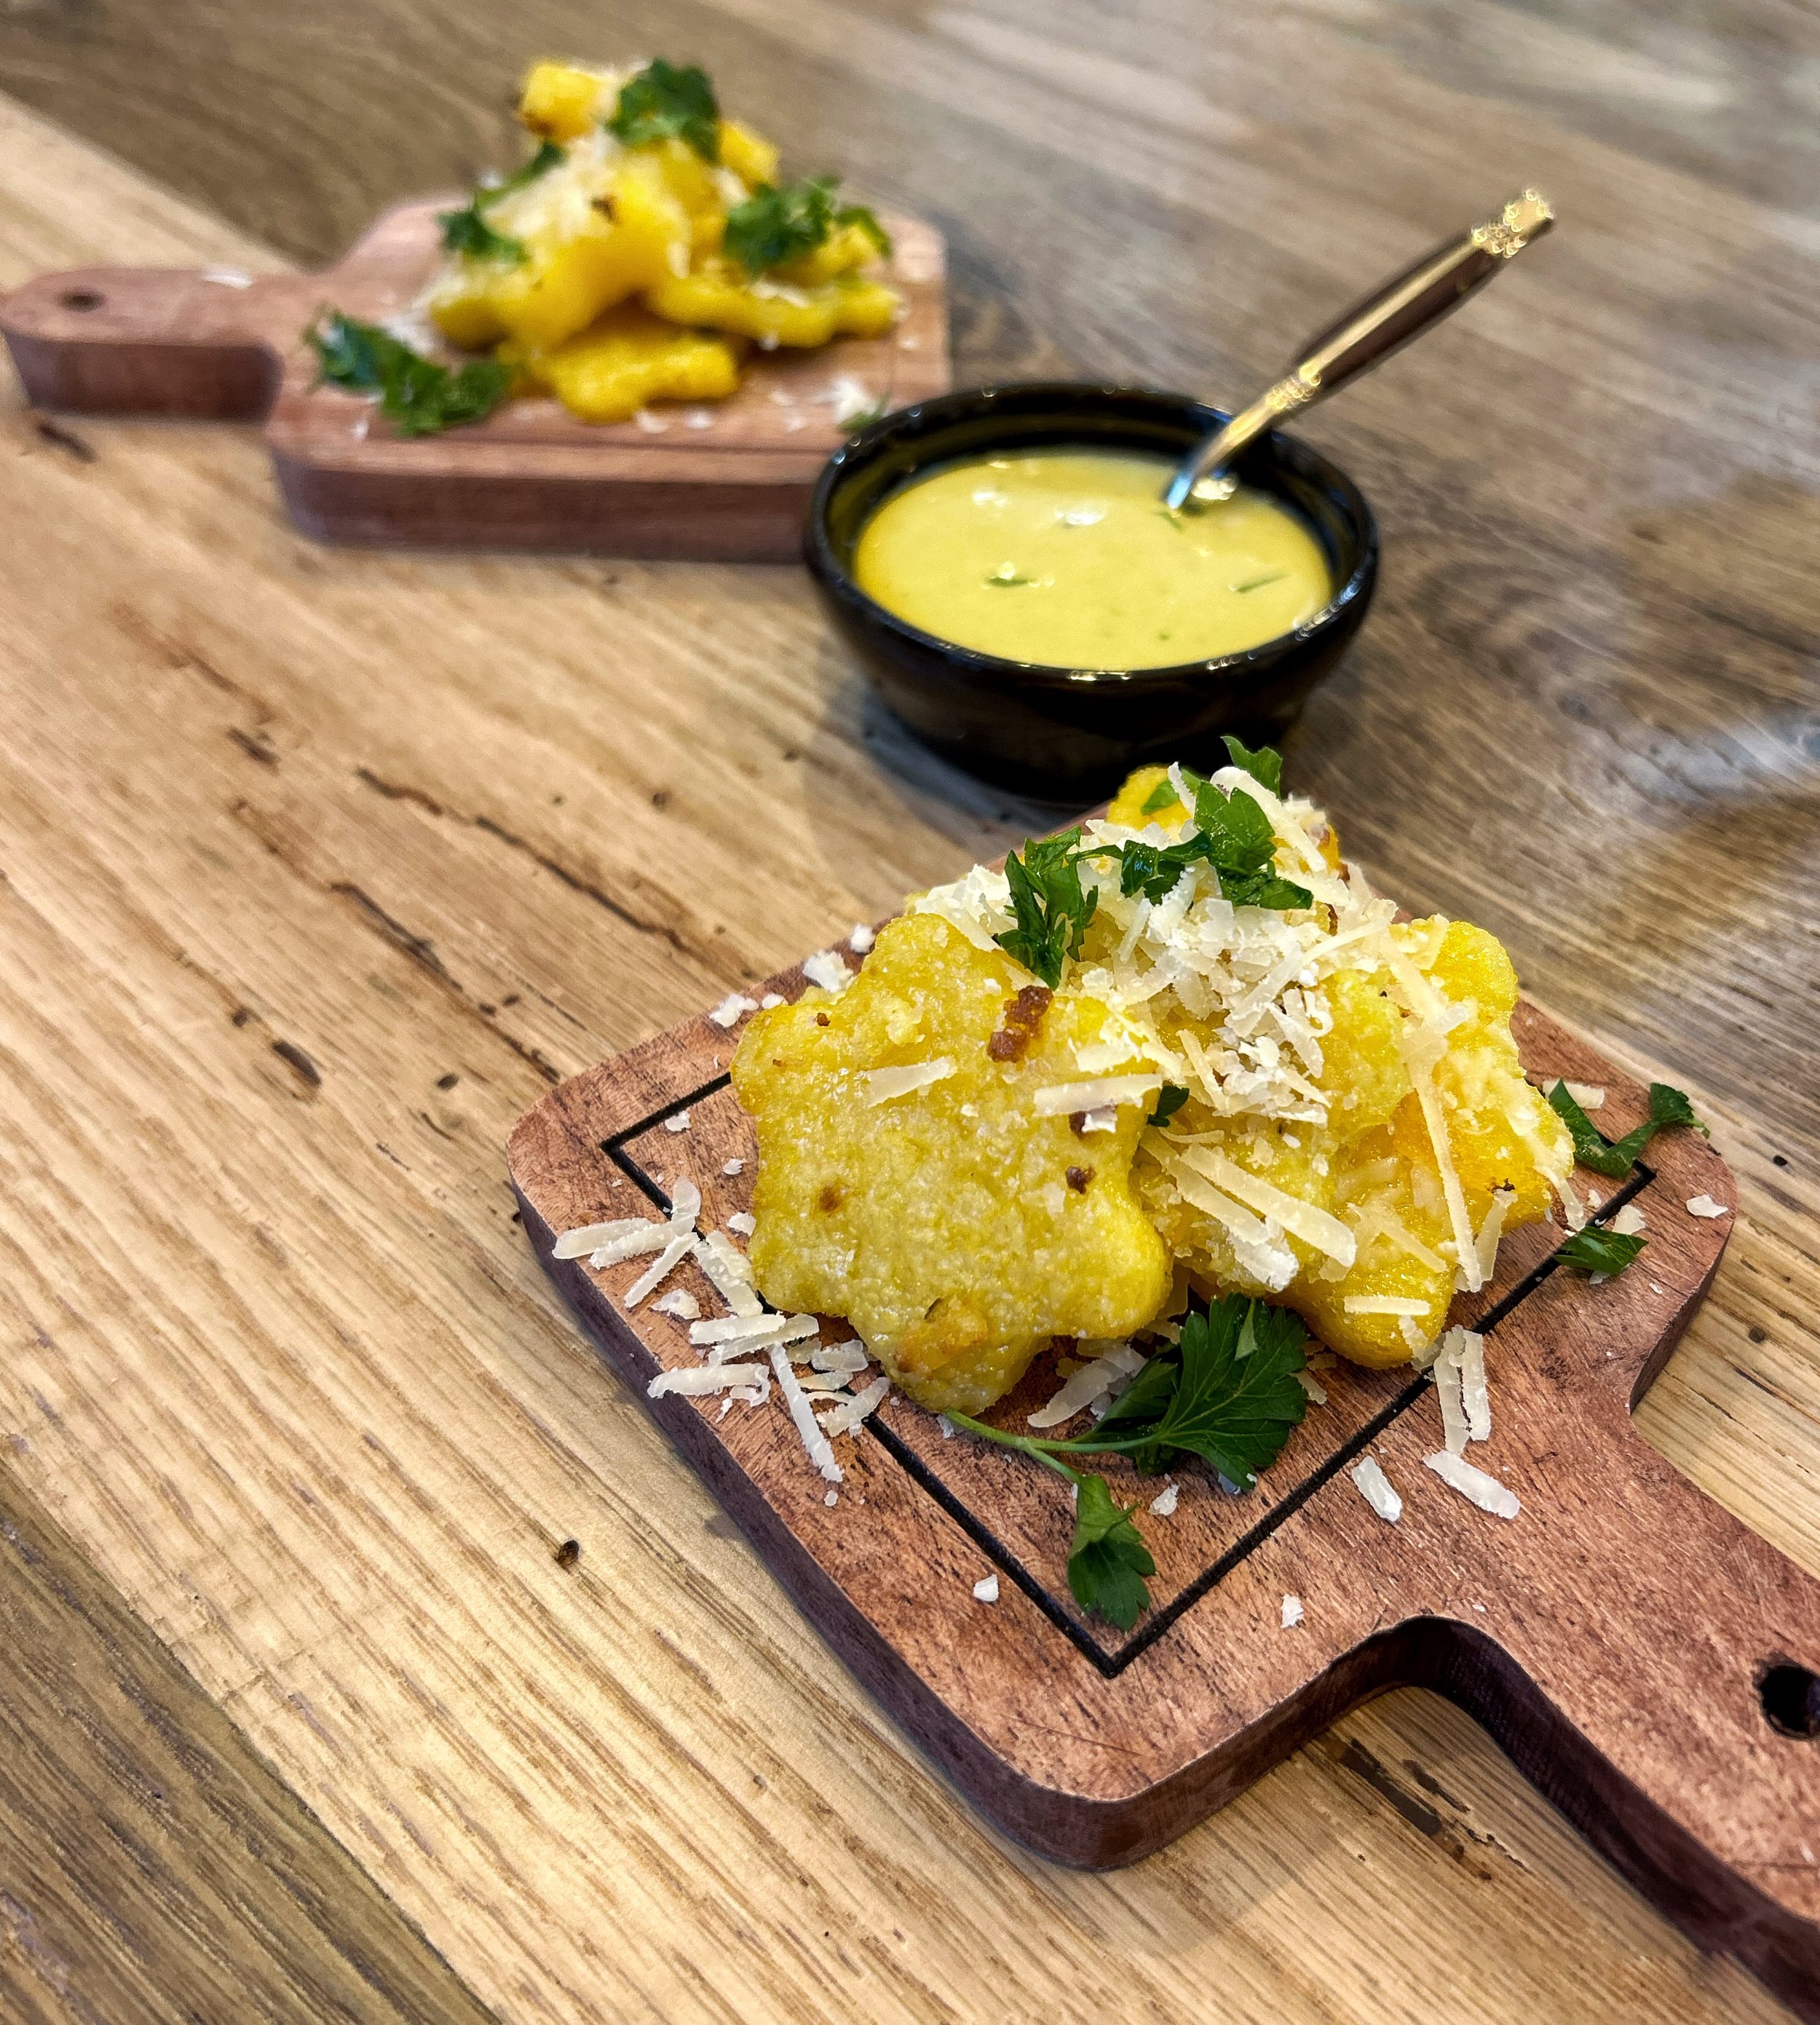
x,y
858,449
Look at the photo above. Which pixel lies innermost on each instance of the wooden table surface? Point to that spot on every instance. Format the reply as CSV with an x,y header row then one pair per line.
x,y
316,868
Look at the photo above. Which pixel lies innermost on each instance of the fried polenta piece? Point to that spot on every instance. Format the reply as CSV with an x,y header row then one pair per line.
x,y
718,294
627,357
955,1229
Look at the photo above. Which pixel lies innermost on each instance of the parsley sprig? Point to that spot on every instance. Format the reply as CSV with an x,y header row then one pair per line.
x,y
1591,1148
419,395
466,232
1231,833
1052,908
1227,1394
663,102
775,226
1596,1250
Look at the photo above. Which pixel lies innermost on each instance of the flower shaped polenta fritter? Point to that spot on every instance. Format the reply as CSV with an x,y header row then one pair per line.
x,y
908,1182
1183,1047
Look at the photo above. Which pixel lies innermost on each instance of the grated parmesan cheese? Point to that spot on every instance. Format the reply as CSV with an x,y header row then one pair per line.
x,y
1317,1392
862,939
1293,1612
672,1255
734,1167
986,1589
684,1305
1705,1206
732,1008
693,1381
592,1236
1062,1100
743,1222
1384,1304
729,1273
676,1122
814,1441
1475,1397
1475,1485
826,969
848,1357
846,1418
1164,1504
1377,1489
1588,1096
1629,1221
883,1085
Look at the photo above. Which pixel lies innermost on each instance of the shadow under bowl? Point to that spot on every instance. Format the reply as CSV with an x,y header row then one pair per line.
x,y
1068,735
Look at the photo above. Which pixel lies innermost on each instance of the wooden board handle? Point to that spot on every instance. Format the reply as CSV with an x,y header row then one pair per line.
x,y
1649,1665
155,341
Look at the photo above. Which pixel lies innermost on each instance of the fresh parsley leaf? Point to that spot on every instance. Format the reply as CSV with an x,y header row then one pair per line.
x,y
1235,1401
1593,1250
773,226
1159,796
864,216
663,102
1170,1100
1264,765
1227,1394
1668,1107
1108,1560
1232,833
1005,578
467,233
546,158
417,395
1051,908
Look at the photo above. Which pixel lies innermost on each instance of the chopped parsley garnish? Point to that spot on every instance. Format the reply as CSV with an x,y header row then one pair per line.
x,y
1228,1393
1668,1107
775,226
417,395
1107,1559
467,233
546,158
1258,582
1006,578
661,102
1231,833
1264,765
1170,1100
1593,1250
1051,908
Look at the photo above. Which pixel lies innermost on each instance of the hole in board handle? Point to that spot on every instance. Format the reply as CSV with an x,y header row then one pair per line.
x,y
81,299
1791,1698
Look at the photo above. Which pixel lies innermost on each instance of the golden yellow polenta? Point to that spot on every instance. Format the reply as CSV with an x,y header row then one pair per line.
x,y
1307,1101
644,219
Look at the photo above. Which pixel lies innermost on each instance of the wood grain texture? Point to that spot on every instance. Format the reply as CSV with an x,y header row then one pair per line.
x,y
152,1870
277,1356
729,481
1615,1640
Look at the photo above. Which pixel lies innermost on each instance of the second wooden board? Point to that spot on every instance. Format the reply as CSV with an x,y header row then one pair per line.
x,y
1643,1657
728,481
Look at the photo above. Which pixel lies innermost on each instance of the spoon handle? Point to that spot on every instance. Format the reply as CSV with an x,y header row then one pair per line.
x,y
1386,320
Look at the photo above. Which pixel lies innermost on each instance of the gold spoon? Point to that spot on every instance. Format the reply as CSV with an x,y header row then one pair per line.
x,y
1406,306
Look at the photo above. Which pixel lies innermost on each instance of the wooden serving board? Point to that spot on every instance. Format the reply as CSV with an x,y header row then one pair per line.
x,y
727,480
1621,1638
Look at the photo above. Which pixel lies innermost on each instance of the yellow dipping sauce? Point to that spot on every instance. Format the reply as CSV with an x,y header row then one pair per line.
x,y
1069,558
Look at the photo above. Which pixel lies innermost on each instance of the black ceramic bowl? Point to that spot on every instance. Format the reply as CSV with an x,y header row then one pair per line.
x,y
1069,734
